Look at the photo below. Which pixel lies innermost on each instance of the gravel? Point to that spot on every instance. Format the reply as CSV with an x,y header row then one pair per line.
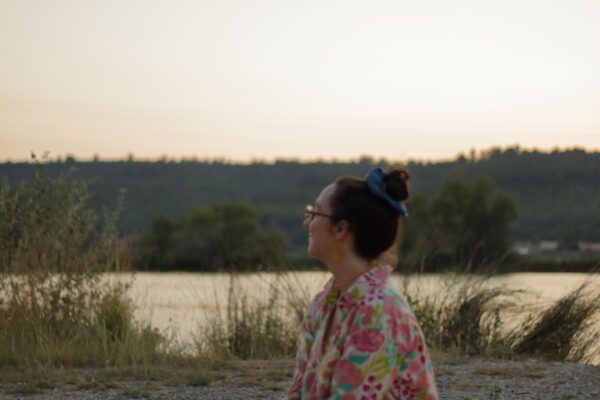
x,y
465,380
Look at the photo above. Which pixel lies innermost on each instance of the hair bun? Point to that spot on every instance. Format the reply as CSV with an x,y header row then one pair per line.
x,y
396,183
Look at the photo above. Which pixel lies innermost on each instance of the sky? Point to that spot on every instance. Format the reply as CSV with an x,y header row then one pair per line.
x,y
250,79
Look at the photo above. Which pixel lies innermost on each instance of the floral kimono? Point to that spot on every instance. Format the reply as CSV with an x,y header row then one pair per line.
x,y
364,343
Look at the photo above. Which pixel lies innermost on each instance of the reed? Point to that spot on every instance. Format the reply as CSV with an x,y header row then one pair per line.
x,y
253,326
469,316
55,306
565,330
464,317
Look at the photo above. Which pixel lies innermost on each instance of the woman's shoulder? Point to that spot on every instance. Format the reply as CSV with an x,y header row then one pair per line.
x,y
317,304
387,304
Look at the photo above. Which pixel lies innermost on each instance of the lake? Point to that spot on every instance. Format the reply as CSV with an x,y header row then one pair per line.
x,y
180,303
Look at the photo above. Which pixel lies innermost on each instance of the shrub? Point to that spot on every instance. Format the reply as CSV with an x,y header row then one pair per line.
x,y
56,307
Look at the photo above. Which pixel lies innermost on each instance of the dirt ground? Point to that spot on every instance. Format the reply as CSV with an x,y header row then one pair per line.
x,y
467,379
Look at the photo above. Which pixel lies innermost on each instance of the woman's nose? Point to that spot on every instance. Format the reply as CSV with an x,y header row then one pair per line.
x,y
307,220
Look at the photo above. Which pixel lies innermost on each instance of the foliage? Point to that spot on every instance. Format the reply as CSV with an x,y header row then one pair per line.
x,y
565,330
468,316
55,306
557,193
218,237
253,328
464,317
467,223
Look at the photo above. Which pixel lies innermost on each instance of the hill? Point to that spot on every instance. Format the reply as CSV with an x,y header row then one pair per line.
x,y
558,193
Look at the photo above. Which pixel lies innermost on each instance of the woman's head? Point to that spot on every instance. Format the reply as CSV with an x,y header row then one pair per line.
x,y
372,221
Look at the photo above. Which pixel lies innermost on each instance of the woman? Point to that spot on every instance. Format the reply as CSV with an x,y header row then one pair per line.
x,y
360,339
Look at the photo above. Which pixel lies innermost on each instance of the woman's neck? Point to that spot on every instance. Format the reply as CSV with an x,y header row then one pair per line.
x,y
347,270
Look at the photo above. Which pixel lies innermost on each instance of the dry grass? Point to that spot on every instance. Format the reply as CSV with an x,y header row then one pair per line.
x,y
469,317
251,328
565,330
55,309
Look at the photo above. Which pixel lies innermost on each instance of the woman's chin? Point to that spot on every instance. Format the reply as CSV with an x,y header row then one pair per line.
x,y
311,251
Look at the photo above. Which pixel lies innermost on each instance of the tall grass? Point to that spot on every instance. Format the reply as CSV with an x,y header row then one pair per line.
x,y
565,330
55,306
254,326
464,315
469,316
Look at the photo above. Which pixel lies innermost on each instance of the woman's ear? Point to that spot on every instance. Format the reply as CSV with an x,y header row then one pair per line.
x,y
341,229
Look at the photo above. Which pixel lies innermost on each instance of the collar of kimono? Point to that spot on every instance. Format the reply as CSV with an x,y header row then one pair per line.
x,y
362,290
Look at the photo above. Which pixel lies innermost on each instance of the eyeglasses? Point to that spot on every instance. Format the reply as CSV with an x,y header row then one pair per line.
x,y
310,213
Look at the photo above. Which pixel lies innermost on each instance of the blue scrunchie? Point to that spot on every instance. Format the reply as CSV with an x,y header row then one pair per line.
x,y
376,186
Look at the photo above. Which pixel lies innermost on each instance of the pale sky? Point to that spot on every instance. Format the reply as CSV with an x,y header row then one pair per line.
x,y
296,79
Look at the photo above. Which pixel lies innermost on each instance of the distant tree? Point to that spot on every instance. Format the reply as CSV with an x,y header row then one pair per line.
x,y
219,237
70,159
467,223
417,246
470,221
157,242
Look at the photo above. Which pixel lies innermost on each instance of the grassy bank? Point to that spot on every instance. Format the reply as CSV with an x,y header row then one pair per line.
x,y
55,310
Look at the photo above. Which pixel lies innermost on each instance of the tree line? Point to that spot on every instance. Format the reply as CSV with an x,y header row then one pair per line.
x,y
215,238
465,225
557,193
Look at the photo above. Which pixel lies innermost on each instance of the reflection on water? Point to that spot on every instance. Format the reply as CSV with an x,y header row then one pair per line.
x,y
180,303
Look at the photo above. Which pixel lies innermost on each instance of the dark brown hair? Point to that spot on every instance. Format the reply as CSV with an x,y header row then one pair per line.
x,y
373,222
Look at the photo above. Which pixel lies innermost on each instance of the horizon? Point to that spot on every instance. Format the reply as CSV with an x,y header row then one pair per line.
x,y
470,154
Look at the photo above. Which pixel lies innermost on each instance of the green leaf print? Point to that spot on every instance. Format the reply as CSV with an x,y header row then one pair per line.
x,y
378,312
401,362
379,366
356,359
346,387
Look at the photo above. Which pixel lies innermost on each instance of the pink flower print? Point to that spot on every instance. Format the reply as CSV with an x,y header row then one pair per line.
x,y
391,309
328,371
367,314
319,347
367,340
409,346
422,382
347,298
348,372
405,330
324,392
308,383
393,326
380,274
414,367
